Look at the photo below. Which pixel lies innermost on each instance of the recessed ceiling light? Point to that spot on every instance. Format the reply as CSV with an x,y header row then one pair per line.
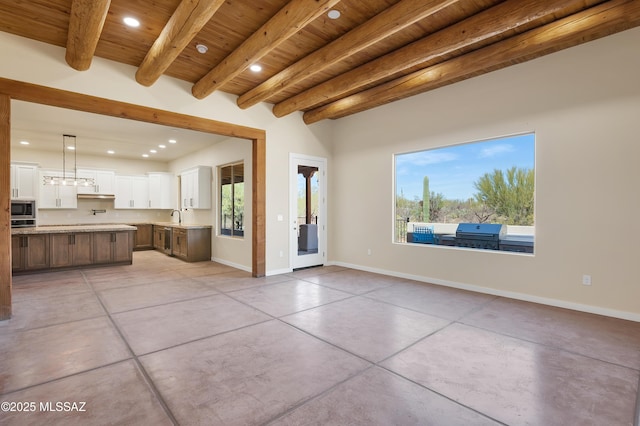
x,y
131,22
255,68
111,151
24,143
162,146
71,148
172,141
201,48
333,14
145,155
153,151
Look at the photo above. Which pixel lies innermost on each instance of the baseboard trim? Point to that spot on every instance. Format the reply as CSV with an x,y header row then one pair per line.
x,y
279,272
503,293
233,265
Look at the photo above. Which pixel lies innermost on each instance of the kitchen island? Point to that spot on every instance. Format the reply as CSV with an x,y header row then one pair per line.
x,y
42,248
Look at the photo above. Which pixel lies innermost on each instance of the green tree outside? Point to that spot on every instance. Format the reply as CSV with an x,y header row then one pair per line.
x,y
510,194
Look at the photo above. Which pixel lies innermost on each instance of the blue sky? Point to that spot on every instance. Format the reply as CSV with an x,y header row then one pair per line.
x,y
453,170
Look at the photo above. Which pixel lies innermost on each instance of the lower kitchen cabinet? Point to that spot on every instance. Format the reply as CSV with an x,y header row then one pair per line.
x,y
158,237
112,247
29,252
192,245
74,249
143,237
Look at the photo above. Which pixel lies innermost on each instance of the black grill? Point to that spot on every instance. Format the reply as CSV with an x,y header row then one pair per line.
x,y
480,235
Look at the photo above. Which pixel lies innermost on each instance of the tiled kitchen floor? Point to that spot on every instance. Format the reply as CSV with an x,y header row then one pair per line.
x,y
167,342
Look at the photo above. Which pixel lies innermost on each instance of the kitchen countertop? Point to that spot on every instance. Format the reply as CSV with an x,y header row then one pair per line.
x,y
181,225
101,227
66,229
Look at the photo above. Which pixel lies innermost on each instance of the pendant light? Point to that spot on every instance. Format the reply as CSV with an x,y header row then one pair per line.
x,y
69,174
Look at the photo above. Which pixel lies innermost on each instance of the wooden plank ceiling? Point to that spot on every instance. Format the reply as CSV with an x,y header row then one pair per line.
x,y
376,52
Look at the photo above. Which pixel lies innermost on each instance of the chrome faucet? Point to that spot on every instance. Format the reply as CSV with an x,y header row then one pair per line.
x,y
179,215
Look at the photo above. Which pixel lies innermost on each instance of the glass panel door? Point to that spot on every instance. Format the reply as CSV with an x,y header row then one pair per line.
x,y
308,211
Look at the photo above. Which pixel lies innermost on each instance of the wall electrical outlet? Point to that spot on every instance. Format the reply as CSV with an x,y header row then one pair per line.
x,y
586,280
368,252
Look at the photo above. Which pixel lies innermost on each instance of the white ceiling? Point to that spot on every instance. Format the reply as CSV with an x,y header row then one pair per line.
x,y
43,126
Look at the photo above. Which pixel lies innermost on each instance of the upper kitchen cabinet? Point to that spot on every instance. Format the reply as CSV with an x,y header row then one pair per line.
x,y
105,182
24,181
56,196
195,188
162,190
132,192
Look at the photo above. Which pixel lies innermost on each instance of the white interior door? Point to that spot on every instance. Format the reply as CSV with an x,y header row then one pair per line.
x,y
308,212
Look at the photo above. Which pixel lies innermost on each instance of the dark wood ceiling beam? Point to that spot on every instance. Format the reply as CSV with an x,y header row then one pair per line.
x,y
287,22
86,21
385,24
596,22
472,33
185,23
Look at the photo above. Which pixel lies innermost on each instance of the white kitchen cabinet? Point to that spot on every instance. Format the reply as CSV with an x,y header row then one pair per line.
x,y
132,192
24,181
195,188
56,196
162,190
104,181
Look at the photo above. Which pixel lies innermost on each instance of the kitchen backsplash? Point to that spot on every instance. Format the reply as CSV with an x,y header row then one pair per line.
x,y
84,215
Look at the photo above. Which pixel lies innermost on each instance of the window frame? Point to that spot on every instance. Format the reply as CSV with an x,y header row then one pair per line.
x,y
525,235
232,232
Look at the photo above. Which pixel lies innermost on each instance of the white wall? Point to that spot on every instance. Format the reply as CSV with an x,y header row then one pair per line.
x,y
39,63
584,106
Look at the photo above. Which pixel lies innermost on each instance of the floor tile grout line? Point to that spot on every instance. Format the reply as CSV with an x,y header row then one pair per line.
x,y
77,373
355,294
263,285
350,296
421,339
150,383
481,306
139,284
325,341
167,303
177,345
549,346
376,364
317,396
410,309
24,330
28,299
439,393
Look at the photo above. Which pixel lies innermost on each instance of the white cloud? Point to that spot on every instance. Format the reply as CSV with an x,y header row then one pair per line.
x,y
425,158
496,150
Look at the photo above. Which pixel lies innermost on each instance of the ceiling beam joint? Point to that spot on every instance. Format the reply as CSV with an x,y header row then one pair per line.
x,y
186,22
287,22
86,21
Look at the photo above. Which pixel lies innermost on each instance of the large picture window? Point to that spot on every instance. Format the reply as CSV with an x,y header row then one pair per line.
x,y
474,195
232,200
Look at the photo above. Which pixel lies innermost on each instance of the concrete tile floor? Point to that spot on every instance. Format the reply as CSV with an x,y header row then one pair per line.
x,y
167,342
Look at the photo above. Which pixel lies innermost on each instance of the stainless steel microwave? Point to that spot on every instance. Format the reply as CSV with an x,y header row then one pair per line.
x,y
23,213
23,209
